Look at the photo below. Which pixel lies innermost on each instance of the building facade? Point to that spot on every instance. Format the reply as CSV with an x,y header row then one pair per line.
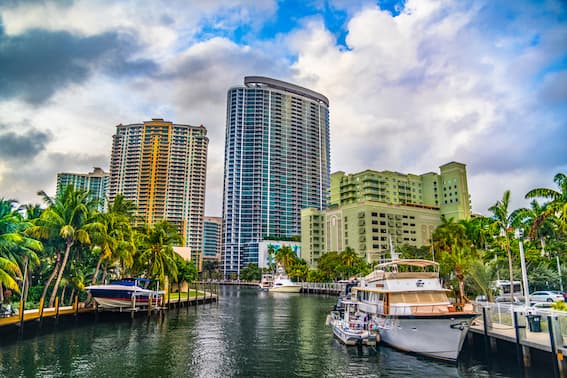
x,y
95,182
161,167
212,238
276,163
372,212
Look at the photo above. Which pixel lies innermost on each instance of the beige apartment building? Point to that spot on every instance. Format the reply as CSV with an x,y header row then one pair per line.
x,y
374,211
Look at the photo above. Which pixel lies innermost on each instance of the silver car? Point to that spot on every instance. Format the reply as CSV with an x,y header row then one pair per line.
x,y
546,296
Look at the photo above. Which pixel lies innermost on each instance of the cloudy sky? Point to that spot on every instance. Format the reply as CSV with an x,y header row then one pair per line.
x,y
412,84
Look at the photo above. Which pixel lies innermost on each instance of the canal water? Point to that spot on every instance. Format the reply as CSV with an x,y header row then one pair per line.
x,y
249,333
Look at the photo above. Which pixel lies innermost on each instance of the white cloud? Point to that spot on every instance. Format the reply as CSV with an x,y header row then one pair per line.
x,y
426,87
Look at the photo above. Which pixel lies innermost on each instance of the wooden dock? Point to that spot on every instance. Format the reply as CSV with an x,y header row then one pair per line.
x,y
171,300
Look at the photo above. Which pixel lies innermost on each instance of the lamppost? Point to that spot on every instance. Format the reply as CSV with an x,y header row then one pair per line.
x,y
559,271
520,235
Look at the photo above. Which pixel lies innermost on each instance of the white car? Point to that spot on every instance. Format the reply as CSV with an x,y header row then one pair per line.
x,y
546,296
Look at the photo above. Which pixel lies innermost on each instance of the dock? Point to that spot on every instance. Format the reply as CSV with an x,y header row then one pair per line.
x,y
19,321
527,331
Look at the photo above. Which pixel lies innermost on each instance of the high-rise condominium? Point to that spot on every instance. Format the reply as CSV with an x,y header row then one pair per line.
x,y
276,163
94,182
161,166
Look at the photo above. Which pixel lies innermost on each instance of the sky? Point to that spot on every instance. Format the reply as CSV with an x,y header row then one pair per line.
x,y
412,84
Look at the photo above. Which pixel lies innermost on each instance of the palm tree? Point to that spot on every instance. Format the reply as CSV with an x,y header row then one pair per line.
x,y
113,238
558,199
539,225
155,250
285,257
68,218
15,246
502,223
459,261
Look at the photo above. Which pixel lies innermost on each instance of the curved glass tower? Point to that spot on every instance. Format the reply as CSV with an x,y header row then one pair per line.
x,y
276,163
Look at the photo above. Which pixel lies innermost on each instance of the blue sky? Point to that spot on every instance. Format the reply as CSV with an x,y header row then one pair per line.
x,y
412,84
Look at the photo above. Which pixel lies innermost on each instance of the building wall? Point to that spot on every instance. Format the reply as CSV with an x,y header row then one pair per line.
x,y
276,163
370,210
95,182
265,259
161,167
212,238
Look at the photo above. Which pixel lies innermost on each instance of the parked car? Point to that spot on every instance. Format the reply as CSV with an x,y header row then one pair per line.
x,y
546,296
559,292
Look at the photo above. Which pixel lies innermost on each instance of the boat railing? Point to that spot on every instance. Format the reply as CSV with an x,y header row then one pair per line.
x,y
420,309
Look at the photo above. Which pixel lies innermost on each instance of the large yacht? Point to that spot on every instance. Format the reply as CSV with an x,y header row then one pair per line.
x,y
411,309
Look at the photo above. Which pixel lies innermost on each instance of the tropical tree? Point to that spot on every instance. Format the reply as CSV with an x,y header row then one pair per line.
x,y
538,223
68,218
285,257
155,254
558,199
503,222
16,247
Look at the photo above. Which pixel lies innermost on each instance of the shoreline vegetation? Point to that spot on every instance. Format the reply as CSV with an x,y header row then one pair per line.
x,y
57,250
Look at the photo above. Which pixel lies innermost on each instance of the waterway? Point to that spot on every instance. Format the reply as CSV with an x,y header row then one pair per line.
x,y
248,333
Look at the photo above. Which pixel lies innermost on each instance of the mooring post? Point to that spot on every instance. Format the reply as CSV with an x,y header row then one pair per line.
x,y
554,336
56,308
76,305
517,328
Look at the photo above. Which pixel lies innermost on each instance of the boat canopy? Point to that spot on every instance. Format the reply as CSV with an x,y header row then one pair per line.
x,y
411,262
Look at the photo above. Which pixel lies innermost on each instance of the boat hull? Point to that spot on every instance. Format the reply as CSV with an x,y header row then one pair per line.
x,y
118,296
347,337
439,337
285,289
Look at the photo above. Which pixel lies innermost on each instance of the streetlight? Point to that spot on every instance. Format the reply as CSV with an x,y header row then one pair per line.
x,y
559,271
519,234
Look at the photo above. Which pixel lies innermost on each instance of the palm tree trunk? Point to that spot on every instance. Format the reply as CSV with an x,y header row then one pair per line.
x,y
542,241
72,295
51,277
103,279
93,281
60,274
63,295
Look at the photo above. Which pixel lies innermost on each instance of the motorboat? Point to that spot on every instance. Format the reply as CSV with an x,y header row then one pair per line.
x,y
351,327
266,282
282,283
411,310
129,293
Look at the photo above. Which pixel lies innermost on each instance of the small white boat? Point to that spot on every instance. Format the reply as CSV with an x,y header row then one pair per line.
x,y
282,283
126,293
266,282
349,327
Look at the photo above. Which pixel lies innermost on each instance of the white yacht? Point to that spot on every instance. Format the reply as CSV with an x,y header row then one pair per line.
x,y
266,282
411,309
282,283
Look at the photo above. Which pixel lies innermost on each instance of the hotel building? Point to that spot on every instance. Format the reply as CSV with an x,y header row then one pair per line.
x,y
374,211
161,167
276,163
95,183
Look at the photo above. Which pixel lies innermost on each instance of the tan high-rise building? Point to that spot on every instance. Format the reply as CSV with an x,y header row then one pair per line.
x,y
374,211
162,166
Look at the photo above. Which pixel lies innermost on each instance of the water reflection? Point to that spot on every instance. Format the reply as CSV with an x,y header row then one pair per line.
x,y
248,334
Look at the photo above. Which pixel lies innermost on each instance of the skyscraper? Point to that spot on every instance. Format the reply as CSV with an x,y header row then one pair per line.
x,y
161,166
94,182
276,163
